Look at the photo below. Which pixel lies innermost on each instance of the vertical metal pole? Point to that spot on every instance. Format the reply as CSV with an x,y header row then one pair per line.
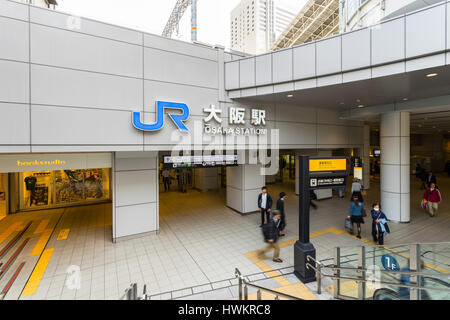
x,y
414,265
337,272
240,288
258,294
319,278
304,200
134,291
245,292
194,20
362,273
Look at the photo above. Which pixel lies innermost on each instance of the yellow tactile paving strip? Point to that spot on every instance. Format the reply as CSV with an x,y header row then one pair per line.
x,y
298,289
38,272
42,225
12,228
63,234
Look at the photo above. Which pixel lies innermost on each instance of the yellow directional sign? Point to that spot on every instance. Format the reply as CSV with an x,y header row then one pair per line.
x,y
317,165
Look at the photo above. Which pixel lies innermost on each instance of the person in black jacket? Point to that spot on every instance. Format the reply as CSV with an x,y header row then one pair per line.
x,y
264,204
431,179
377,214
270,232
280,208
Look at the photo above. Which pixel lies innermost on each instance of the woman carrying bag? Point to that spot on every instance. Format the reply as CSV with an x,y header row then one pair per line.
x,y
356,214
379,224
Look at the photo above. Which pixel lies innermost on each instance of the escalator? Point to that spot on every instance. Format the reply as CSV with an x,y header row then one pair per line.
x,y
433,293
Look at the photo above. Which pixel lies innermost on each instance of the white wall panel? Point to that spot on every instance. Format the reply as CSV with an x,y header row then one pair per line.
x,y
14,9
297,133
293,113
247,72
282,65
69,22
422,38
60,125
173,67
356,49
56,86
263,69
136,219
196,98
14,123
62,48
328,63
13,39
328,134
305,61
390,35
135,187
232,75
14,82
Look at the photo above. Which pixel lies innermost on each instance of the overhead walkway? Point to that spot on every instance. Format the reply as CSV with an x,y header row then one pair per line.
x,y
374,66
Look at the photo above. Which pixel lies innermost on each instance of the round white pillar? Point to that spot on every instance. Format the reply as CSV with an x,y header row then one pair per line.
x,y
395,163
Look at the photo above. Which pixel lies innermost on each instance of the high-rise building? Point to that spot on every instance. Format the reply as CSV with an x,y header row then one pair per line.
x,y
256,24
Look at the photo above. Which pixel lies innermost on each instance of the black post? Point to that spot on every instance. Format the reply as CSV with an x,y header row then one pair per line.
x,y
303,248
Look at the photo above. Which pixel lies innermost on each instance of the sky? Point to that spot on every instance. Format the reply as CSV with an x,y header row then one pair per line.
x,y
213,16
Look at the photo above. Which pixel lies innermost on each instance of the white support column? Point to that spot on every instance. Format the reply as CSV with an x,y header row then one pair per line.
x,y
244,184
366,157
395,163
206,179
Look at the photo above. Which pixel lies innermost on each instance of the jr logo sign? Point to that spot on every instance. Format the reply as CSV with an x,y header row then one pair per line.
x,y
159,124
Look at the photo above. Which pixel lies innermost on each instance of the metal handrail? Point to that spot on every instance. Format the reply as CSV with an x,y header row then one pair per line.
x,y
246,284
319,266
399,245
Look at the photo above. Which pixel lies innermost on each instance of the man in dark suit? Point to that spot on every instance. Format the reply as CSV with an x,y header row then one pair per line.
x,y
280,209
431,179
264,204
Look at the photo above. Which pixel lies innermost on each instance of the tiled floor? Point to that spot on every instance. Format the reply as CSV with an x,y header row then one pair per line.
x,y
200,241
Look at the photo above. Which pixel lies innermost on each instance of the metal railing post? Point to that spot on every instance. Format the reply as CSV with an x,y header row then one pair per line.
x,y
361,273
414,265
337,272
258,294
319,278
240,288
245,292
134,291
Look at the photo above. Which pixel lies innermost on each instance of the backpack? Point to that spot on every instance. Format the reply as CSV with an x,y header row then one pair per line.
x,y
266,229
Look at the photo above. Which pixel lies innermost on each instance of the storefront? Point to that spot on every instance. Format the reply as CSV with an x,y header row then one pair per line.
x,y
30,182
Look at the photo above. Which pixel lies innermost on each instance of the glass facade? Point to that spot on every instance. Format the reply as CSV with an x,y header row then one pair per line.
x,y
63,187
3,195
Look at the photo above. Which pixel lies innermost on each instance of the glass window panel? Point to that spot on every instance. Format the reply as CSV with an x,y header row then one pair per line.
x,y
37,189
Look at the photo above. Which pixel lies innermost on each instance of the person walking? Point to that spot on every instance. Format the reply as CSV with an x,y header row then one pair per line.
x,y
378,217
280,209
357,188
433,197
355,214
264,204
431,179
166,179
270,232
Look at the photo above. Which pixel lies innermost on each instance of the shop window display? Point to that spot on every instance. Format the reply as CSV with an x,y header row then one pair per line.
x,y
62,187
38,189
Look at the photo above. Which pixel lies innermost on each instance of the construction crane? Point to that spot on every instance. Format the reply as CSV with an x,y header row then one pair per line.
x,y
177,14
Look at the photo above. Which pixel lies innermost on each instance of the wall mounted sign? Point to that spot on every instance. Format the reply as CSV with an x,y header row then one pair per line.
x,y
389,263
161,106
236,117
327,164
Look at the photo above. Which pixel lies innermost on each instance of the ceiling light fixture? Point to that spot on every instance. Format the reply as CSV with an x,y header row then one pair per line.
x,y
290,95
431,75
405,99
361,106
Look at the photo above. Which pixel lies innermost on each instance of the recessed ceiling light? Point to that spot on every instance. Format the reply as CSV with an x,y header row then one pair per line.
x,y
361,106
342,103
358,100
290,95
405,99
431,75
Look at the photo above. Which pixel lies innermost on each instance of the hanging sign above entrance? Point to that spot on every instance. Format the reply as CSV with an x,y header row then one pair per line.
x,y
201,161
327,172
327,164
